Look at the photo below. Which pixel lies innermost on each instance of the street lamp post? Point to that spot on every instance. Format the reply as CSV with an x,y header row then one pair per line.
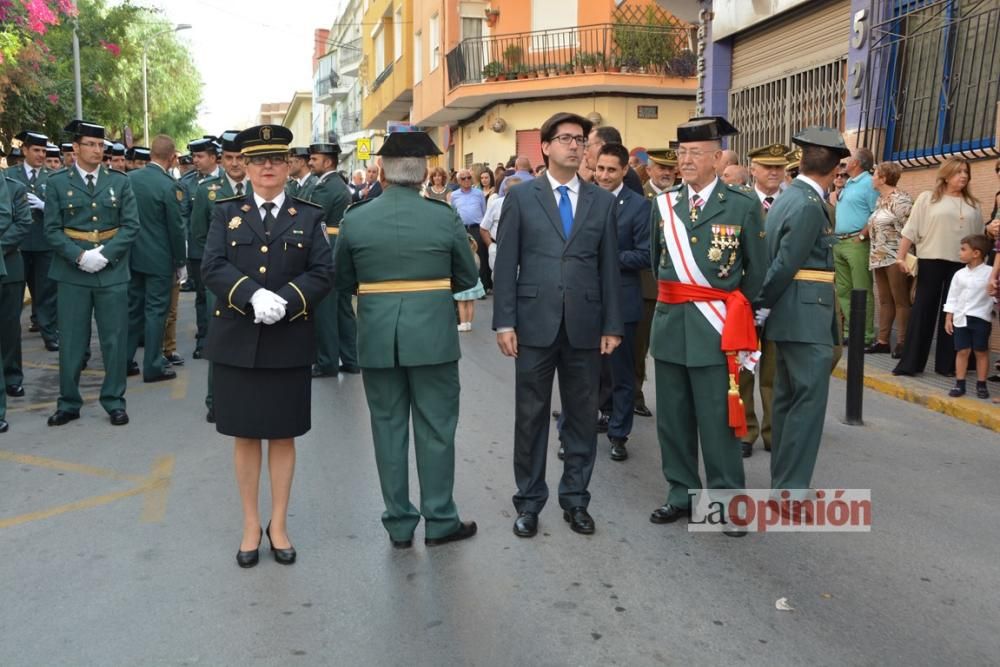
x,y
145,88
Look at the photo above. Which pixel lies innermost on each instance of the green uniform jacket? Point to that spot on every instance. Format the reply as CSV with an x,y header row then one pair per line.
x,y
681,334
305,192
35,241
799,236
331,194
190,182
159,246
207,193
14,229
402,236
68,204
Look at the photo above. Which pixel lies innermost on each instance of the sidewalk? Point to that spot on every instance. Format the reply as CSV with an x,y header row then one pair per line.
x,y
929,390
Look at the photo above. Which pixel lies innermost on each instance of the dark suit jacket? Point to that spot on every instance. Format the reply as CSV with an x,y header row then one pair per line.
x,y
294,262
374,191
543,280
633,182
633,250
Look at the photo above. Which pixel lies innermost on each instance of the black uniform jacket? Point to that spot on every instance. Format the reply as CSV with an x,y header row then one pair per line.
x,y
293,261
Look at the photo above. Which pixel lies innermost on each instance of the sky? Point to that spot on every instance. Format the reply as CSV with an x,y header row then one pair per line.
x,y
248,52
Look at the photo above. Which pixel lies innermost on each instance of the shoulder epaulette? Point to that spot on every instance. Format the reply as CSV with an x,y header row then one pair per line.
x,y
306,202
436,201
117,171
58,171
742,190
227,199
674,188
359,203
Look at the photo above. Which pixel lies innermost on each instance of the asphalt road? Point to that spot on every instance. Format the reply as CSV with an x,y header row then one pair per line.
x,y
118,546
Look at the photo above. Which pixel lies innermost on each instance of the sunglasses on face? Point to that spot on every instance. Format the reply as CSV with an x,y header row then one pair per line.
x,y
842,175
261,160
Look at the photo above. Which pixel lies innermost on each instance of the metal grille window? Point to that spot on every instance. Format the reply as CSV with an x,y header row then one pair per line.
x,y
773,111
937,72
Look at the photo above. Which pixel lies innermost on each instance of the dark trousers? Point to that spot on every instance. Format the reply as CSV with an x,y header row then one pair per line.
x,y
623,385
927,317
579,374
642,347
11,303
148,305
43,292
200,307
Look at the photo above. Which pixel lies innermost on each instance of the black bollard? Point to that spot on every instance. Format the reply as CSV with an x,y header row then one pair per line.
x,y
856,358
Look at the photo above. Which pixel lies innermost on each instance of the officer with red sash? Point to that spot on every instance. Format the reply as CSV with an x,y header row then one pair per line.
x,y
709,255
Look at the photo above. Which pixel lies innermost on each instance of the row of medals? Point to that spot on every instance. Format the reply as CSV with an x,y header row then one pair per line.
x,y
724,237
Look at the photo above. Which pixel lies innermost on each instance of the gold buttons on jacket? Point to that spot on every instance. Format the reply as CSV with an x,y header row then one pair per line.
x,y
263,248
94,218
263,269
234,244
93,204
694,239
217,313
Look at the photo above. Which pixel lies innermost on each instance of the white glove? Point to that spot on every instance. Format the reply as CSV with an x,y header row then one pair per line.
x,y
760,316
92,260
268,307
35,203
181,275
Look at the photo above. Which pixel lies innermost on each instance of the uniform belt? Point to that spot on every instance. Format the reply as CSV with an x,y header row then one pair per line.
x,y
852,235
814,275
389,286
93,235
332,231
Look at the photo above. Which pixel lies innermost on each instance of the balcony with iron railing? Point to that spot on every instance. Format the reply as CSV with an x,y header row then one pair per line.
x,y
330,84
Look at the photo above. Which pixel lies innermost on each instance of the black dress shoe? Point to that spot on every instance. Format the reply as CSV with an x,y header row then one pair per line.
x,y
33,327
197,354
555,414
526,524
210,417
642,410
318,372
602,422
466,529
669,513
4,426
579,521
15,390
735,532
561,454
902,371
877,348
283,556
251,557
174,359
747,448
353,370
52,346
60,417
401,544
133,369
897,353
165,375
118,417
618,451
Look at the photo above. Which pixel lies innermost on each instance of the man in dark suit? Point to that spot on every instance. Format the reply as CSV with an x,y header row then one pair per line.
x,y
372,187
557,307
633,256
599,136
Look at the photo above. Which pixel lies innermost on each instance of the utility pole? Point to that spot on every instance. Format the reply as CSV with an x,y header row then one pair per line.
x,y
76,70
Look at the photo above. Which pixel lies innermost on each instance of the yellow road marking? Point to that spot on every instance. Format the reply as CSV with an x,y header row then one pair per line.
x,y
154,487
179,386
88,398
55,367
66,466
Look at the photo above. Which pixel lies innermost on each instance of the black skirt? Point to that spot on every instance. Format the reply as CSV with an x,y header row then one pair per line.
x,y
265,403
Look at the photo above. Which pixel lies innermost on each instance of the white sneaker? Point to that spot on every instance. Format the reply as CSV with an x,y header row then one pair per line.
x,y
465,326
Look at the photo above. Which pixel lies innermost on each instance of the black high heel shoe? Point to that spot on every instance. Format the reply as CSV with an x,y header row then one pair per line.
x,y
283,556
252,557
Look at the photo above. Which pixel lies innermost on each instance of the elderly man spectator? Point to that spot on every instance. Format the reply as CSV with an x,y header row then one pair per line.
x,y
855,204
470,204
522,170
726,159
371,188
735,174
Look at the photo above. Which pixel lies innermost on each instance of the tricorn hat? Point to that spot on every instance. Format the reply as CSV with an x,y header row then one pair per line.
x,y
408,144
705,128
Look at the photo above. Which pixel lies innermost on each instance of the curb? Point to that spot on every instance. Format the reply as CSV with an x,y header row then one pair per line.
x,y
984,414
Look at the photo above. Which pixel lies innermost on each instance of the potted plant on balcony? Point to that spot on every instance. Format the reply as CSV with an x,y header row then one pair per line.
x,y
567,69
613,64
587,61
684,64
522,71
512,55
493,70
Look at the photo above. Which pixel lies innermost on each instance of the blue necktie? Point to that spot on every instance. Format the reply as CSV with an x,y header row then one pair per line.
x,y
565,210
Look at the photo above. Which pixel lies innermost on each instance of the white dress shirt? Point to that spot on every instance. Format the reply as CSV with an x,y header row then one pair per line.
x,y
761,195
233,183
38,171
278,201
704,193
811,183
574,190
967,295
84,174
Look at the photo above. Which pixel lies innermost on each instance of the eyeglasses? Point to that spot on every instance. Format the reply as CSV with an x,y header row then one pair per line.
x,y
91,144
465,178
693,153
841,175
261,160
567,139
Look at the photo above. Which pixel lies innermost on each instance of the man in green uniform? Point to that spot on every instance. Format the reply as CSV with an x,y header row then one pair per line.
x,y
35,249
301,180
91,221
67,154
53,158
767,166
15,225
7,205
205,158
231,182
709,252
336,325
405,267
118,162
797,303
662,170
157,255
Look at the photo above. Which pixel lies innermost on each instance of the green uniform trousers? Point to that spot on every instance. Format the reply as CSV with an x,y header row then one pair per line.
x,y
336,332
109,307
642,347
11,304
43,291
431,393
850,262
210,308
201,307
148,305
691,404
801,387
765,378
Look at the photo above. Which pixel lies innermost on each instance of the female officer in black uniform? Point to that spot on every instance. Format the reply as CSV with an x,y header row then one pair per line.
x,y
268,262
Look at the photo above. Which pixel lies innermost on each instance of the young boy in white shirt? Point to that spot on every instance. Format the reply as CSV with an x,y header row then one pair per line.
x,y
969,307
